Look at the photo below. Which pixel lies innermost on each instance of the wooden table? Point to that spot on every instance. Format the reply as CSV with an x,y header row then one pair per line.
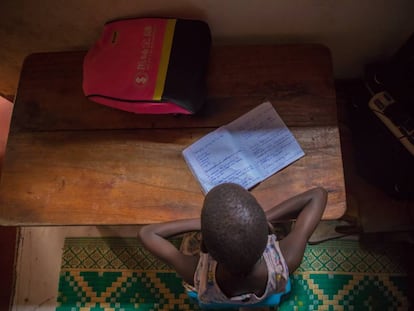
x,y
70,161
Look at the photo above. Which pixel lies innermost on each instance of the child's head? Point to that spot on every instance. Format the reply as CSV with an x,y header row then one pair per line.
x,y
234,228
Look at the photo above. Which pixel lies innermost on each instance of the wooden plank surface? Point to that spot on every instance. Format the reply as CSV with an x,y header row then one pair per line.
x,y
71,161
297,79
121,177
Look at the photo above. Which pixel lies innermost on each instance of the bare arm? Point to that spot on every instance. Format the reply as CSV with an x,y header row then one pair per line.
x,y
154,238
307,208
311,202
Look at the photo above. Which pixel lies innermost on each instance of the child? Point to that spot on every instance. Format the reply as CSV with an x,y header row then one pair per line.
x,y
239,262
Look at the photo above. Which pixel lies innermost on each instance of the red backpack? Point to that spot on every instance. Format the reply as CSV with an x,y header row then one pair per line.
x,y
149,65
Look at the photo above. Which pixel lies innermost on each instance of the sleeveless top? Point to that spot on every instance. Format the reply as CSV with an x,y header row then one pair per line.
x,y
209,292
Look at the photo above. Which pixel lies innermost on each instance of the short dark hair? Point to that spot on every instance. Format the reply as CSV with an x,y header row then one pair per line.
x,y
234,228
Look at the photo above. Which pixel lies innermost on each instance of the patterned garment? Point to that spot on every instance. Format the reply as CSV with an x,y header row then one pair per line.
x,y
209,292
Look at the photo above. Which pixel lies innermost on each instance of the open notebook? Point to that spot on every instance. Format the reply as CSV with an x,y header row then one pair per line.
x,y
246,151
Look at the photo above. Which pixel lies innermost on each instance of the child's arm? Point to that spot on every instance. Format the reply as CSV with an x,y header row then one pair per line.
x,y
154,238
307,208
294,206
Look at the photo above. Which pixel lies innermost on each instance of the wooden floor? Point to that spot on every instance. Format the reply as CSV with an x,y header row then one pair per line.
x,y
8,238
8,235
369,208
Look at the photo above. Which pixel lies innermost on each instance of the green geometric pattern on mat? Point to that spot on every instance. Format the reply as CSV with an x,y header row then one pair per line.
x,y
126,290
347,292
349,256
109,254
118,274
